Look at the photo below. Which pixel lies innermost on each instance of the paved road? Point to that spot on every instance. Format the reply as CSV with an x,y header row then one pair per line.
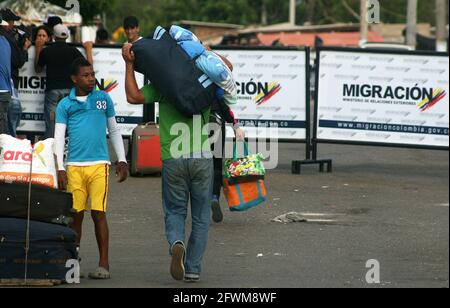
x,y
380,203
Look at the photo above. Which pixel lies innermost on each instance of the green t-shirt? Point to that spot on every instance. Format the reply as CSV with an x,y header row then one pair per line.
x,y
181,137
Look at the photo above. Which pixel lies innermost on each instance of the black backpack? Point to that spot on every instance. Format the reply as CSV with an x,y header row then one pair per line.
x,y
173,73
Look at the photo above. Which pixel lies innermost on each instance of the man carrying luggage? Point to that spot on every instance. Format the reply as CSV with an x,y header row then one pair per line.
x,y
187,174
86,114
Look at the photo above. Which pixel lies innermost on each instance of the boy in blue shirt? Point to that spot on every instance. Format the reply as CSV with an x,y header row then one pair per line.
x,y
87,114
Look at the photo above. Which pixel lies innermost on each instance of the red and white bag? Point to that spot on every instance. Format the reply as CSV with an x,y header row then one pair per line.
x,y
15,159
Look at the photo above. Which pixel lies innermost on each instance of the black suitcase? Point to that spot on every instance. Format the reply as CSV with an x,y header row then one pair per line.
x,y
173,73
47,205
51,246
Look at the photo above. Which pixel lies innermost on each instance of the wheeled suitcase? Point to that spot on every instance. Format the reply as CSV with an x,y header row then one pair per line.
x,y
47,205
146,150
50,247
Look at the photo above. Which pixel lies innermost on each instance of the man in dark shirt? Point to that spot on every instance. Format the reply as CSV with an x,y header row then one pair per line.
x,y
19,55
57,58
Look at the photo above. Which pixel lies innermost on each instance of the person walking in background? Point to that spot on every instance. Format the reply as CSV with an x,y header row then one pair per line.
x,y
57,58
6,87
86,114
131,27
220,115
20,43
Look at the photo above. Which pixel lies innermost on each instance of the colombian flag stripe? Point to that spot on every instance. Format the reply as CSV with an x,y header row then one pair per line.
x,y
435,101
438,95
270,95
262,97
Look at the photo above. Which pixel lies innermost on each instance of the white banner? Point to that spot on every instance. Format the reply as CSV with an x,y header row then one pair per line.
x,y
383,98
272,92
110,72
31,95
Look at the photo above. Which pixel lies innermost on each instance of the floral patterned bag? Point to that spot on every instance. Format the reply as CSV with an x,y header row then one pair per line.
x,y
250,166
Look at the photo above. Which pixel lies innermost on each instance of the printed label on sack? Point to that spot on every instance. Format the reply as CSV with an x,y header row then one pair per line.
x,y
38,179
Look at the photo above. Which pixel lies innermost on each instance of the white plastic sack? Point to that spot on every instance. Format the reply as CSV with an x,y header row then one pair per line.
x,y
15,160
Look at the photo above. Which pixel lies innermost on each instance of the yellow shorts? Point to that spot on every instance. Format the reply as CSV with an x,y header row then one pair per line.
x,y
89,183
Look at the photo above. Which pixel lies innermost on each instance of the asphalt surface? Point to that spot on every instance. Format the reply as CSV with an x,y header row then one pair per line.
x,y
386,204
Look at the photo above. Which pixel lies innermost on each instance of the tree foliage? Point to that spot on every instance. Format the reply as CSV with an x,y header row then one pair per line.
x,y
88,8
248,12
244,12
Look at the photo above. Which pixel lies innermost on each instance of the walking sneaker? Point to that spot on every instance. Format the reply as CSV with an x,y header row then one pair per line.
x,y
191,278
217,214
177,267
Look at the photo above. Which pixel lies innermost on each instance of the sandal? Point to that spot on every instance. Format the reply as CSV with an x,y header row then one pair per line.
x,y
100,274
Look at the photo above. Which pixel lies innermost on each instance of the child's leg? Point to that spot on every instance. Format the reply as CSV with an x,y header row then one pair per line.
x,y
98,191
77,225
102,235
78,188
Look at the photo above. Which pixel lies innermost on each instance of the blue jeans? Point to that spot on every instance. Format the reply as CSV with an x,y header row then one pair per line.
x,y
5,99
184,179
52,99
14,115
